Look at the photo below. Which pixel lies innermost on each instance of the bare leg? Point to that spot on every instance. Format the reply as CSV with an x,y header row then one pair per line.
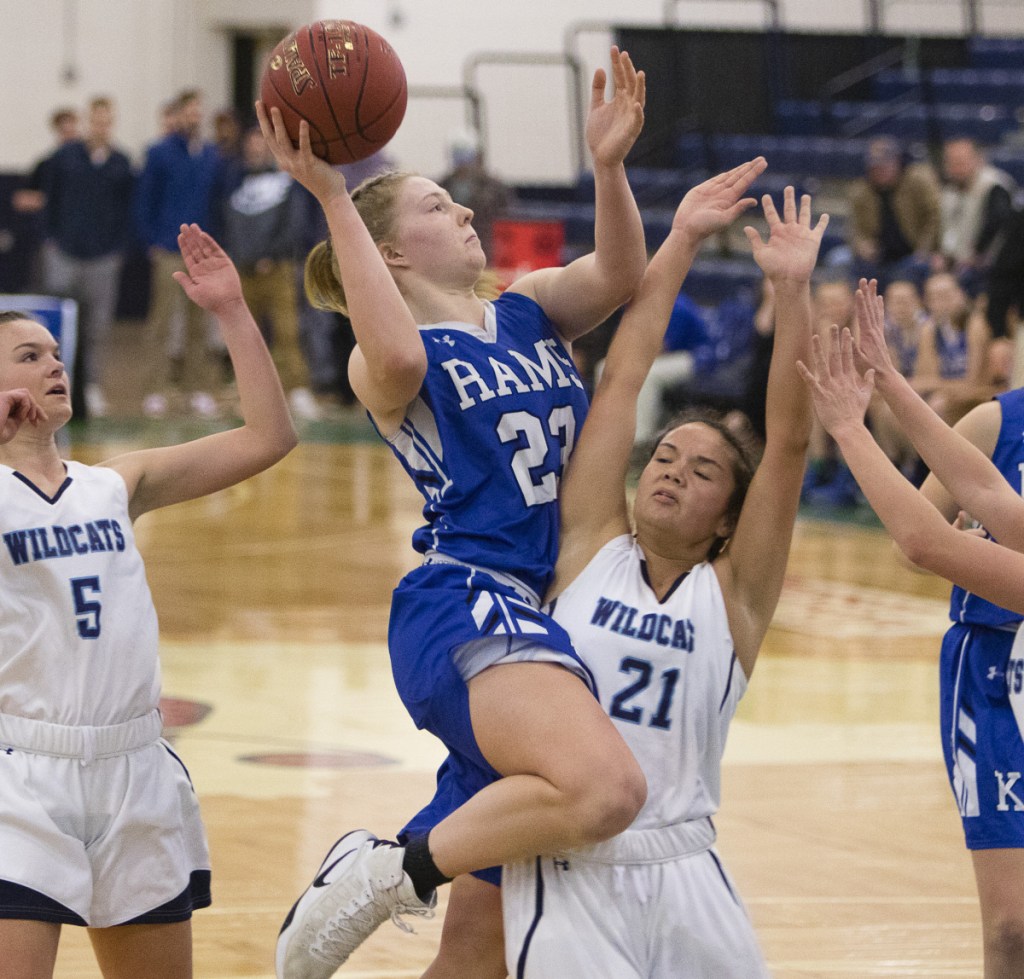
x,y
1000,877
153,951
29,949
570,779
473,940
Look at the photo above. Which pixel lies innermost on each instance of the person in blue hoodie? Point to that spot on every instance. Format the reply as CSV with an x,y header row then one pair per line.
x,y
181,183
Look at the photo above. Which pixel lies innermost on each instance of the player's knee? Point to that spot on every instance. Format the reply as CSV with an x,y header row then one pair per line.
x,y
611,803
1004,939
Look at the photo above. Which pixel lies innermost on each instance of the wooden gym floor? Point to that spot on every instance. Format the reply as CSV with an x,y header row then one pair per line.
x,y
837,821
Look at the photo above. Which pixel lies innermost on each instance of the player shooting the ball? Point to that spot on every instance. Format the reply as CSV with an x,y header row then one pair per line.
x,y
481,402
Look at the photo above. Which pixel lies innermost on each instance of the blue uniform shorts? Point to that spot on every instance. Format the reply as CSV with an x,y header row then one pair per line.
x,y
435,610
980,739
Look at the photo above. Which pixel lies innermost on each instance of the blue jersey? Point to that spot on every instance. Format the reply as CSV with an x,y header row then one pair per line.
x,y
1008,458
487,437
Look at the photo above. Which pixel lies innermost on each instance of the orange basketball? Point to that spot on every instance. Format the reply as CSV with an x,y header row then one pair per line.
x,y
345,80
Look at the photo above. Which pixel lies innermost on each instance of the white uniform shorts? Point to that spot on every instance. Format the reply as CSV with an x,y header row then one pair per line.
x,y
568,918
103,821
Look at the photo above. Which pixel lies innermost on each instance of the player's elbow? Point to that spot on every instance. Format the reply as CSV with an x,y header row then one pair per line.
x,y
610,803
921,548
624,278
269,445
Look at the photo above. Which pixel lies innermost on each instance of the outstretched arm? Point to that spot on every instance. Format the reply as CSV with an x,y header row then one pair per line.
x,y
752,567
587,291
921,532
389,363
593,505
159,477
967,474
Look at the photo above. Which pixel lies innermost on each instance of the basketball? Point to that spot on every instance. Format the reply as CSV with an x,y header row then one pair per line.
x,y
345,80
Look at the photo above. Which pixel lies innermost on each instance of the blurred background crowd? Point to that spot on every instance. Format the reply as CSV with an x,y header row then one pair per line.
x,y
938,221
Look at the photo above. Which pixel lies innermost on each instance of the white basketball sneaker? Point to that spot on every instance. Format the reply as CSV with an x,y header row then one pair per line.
x,y
359,886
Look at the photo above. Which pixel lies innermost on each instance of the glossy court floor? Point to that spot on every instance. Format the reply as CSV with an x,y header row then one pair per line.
x,y
837,821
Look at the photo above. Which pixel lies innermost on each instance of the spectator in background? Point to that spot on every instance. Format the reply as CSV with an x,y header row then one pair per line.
x,y
894,216
828,481
180,184
30,199
88,217
469,182
953,369
977,201
904,321
263,235
725,365
168,119
755,389
228,135
686,339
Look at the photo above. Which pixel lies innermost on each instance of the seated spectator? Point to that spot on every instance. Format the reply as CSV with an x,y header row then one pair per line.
x,y
904,321
730,372
894,216
953,372
686,339
977,201
828,482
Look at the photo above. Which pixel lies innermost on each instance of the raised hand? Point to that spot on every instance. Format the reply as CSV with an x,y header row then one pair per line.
x,y
612,127
210,279
16,408
839,393
792,247
713,205
872,350
318,177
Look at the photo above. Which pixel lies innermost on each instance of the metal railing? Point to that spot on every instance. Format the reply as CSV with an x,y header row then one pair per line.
x,y
513,58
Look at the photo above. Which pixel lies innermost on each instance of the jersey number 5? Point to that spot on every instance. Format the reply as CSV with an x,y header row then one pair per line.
x,y
522,425
87,609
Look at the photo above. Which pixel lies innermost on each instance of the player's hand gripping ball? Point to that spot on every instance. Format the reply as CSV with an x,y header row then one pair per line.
x,y
345,80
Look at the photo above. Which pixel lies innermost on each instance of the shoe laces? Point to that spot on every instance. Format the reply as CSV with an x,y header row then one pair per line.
x,y
347,929
425,911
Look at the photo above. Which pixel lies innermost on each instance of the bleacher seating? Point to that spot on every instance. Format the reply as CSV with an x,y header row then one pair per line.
x,y
896,82
907,122
996,52
987,124
982,86
815,141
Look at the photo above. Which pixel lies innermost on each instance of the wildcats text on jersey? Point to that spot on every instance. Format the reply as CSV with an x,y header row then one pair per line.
x,y
609,613
551,370
44,543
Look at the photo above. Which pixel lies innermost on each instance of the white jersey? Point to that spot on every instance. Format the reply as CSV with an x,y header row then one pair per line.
x,y
668,676
78,630
653,902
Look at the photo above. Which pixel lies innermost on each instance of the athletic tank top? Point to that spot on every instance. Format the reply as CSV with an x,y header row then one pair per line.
x,y
667,674
1008,458
487,437
78,630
